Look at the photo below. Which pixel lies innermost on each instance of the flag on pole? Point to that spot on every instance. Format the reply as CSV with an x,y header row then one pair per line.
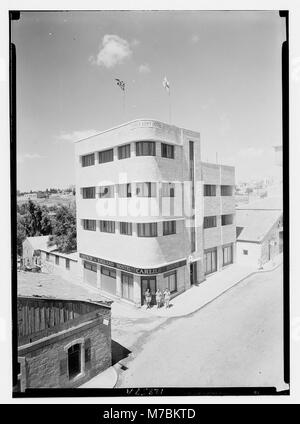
x,y
120,83
166,84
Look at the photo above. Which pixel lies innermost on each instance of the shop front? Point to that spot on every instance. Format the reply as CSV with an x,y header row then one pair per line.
x,y
130,283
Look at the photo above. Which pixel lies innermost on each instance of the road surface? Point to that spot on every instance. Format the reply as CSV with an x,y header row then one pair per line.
x,y
237,340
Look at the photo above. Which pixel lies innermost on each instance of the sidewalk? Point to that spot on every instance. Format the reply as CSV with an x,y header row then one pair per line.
x,y
197,296
105,380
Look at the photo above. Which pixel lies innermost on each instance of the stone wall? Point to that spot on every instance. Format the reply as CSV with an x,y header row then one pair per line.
x,y
46,361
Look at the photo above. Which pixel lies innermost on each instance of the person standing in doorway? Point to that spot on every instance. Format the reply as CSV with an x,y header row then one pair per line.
x,y
158,295
167,296
148,298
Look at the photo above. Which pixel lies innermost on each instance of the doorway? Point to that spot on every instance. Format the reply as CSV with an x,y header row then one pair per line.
x,y
148,283
193,272
74,360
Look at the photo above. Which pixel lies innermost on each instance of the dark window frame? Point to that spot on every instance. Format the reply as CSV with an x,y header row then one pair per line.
x,y
128,228
209,190
128,190
141,229
88,192
110,194
107,226
224,190
169,227
145,148
210,222
103,159
125,148
89,224
109,272
150,191
167,151
88,160
224,219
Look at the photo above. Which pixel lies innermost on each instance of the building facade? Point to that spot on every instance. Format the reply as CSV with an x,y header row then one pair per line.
x,y
62,343
259,235
150,214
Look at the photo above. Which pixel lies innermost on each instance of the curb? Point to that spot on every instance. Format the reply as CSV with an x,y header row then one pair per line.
x,y
220,294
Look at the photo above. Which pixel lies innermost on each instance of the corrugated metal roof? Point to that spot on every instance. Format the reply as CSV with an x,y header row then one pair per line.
x,y
254,225
51,286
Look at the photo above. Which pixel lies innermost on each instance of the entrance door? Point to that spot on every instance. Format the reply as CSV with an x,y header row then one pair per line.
x,y
74,360
148,283
193,272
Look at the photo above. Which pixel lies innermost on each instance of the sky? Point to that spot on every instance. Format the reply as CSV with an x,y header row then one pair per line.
x,y
224,70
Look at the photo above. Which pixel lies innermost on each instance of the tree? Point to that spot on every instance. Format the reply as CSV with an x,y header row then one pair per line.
x,y
21,233
64,230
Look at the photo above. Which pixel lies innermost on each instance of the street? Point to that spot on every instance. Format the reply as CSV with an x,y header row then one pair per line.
x,y
236,340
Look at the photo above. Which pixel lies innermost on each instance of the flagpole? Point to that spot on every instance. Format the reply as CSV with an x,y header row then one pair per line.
x,y
124,105
170,112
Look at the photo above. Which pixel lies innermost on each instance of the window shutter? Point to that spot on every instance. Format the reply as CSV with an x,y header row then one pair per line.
x,y
87,353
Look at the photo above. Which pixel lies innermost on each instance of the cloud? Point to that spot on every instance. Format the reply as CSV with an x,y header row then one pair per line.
x,y
195,38
113,50
144,68
77,135
28,156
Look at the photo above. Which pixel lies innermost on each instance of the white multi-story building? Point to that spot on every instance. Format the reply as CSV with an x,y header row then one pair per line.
x,y
150,214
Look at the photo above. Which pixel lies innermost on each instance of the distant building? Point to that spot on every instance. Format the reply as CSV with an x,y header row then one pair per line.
x,y
31,251
64,339
123,254
37,252
42,195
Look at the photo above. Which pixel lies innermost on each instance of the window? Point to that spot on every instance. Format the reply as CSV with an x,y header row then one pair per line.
x,y
146,189
107,226
210,261
210,221
56,260
124,151
88,160
171,280
89,224
89,192
147,230
124,190
74,360
109,272
168,190
193,238
145,148
227,219
90,266
47,257
167,151
127,286
126,228
226,190
106,156
245,252
209,190
227,255
67,263
169,227
106,192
